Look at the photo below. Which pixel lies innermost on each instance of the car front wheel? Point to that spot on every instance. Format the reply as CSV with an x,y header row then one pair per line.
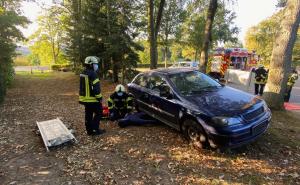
x,y
195,134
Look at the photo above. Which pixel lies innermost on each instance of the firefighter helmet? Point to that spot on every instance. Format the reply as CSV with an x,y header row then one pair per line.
x,y
120,88
260,66
91,60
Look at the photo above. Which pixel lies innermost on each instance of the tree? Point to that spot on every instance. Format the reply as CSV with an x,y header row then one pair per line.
x,y
212,9
170,26
47,40
261,38
282,55
106,29
10,21
153,29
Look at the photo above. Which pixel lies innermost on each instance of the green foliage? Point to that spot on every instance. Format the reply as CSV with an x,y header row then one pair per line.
x,y
61,67
108,30
47,40
34,59
191,33
260,38
21,61
10,20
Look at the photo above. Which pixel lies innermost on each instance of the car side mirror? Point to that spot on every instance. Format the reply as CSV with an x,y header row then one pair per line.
x,y
165,91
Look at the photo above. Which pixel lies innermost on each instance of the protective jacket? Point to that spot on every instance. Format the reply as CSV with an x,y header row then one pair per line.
x,y
292,79
261,76
120,102
89,90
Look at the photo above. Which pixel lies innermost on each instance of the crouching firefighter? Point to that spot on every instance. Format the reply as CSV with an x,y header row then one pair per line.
x,y
90,96
120,103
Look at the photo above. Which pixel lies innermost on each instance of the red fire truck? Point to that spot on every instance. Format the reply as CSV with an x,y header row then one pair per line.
x,y
233,58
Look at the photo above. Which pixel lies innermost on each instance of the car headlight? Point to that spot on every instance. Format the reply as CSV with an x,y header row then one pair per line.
x,y
226,121
266,108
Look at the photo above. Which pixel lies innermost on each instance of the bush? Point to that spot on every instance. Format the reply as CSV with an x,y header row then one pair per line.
x,y
10,75
7,74
21,61
61,67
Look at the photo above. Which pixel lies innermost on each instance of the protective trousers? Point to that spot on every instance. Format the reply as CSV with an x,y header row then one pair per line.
x,y
116,114
288,93
259,89
93,114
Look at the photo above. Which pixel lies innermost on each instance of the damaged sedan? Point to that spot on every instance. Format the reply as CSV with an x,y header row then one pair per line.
x,y
208,113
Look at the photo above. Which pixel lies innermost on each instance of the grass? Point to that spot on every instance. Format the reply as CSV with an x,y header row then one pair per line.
x,y
286,123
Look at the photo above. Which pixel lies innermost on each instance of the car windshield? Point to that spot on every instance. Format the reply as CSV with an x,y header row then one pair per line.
x,y
193,82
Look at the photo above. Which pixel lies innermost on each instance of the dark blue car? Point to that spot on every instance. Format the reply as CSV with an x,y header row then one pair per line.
x,y
207,112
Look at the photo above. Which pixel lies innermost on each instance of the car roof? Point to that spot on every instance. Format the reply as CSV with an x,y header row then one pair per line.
x,y
168,71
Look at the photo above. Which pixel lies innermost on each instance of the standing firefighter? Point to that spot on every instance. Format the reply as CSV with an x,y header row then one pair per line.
x,y
291,82
119,103
261,76
90,96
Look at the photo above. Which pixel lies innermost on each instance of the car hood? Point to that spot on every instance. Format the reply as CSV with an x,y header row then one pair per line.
x,y
225,101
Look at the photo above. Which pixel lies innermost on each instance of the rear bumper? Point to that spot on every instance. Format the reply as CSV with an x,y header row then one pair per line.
x,y
242,136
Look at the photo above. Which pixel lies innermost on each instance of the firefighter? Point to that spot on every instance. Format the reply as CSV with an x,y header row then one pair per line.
x,y
291,81
120,103
261,76
90,96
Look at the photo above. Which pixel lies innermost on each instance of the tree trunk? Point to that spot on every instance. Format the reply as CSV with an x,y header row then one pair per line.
x,y
153,30
166,48
151,33
212,9
282,55
196,54
115,73
166,56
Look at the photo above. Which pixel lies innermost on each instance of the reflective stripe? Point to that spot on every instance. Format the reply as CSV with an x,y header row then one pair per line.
x,y
87,87
129,99
99,95
96,81
110,101
129,107
87,99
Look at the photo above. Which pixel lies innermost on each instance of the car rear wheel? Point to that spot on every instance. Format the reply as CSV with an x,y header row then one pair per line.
x,y
195,134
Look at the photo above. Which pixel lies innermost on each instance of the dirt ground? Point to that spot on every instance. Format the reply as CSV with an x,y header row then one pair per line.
x,y
135,155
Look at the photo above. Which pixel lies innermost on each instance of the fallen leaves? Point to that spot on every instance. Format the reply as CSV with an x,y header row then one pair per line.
x,y
135,155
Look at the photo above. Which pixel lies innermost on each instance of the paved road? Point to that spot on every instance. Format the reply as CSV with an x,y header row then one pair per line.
x,y
295,96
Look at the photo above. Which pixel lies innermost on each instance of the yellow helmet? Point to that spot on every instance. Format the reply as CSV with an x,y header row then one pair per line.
x,y
91,60
120,88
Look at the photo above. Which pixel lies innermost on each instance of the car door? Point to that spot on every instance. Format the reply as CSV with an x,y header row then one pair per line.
x,y
141,93
166,109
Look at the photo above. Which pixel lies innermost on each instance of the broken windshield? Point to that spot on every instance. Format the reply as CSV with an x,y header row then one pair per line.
x,y
193,82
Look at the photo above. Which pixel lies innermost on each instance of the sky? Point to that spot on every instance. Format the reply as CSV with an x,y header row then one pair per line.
x,y
249,13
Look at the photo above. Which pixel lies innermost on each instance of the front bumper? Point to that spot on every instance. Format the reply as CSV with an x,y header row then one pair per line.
x,y
236,136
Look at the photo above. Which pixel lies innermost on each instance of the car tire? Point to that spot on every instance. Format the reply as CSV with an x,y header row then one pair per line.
x,y
195,134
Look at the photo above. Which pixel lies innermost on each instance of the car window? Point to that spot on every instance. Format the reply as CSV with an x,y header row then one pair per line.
x,y
193,82
155,82
141,80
